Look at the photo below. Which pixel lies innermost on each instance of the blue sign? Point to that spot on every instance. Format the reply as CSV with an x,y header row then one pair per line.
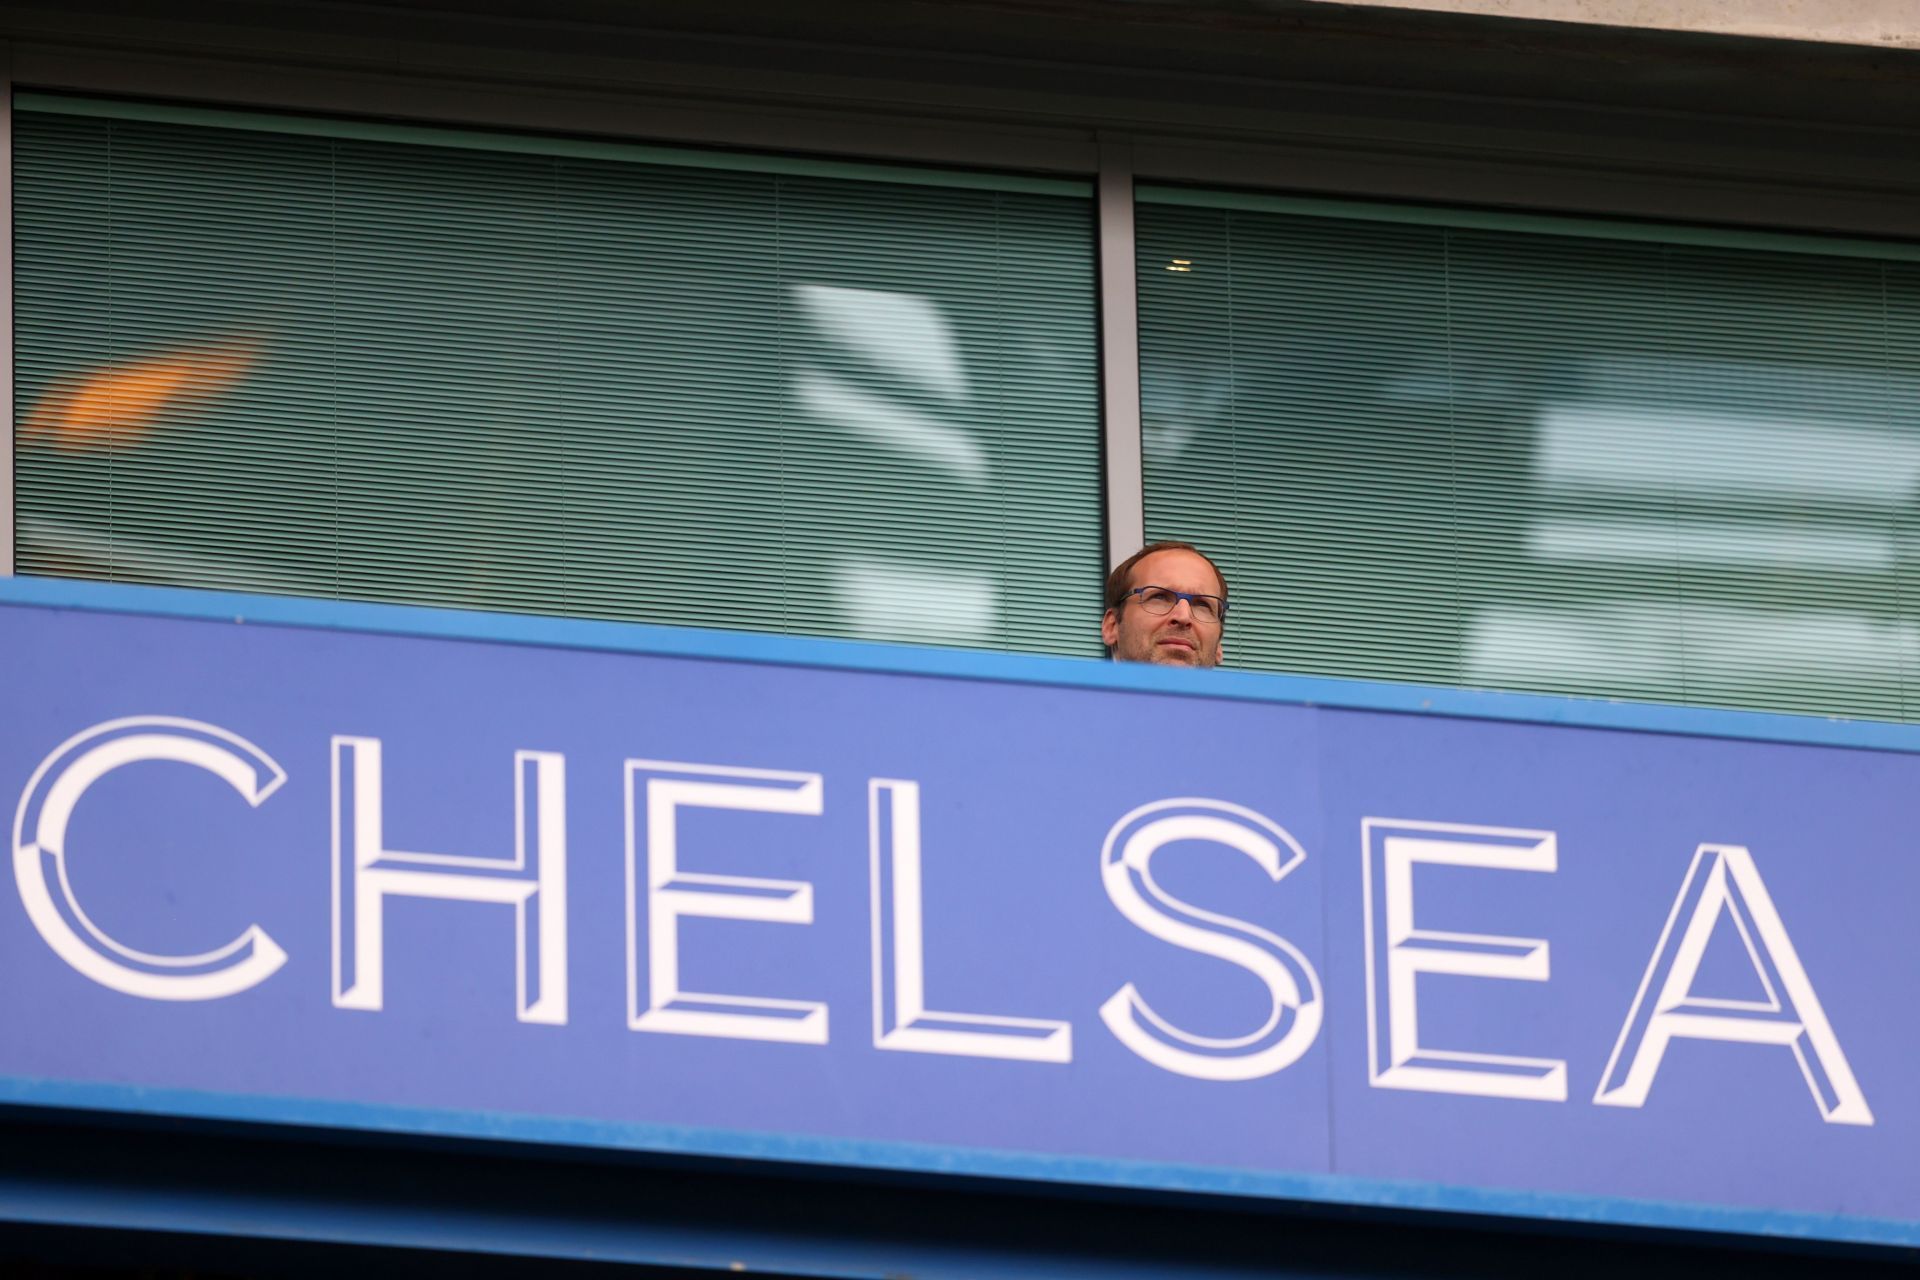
x,y
661,890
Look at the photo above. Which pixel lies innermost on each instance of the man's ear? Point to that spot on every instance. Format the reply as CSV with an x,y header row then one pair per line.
x,y
1110,628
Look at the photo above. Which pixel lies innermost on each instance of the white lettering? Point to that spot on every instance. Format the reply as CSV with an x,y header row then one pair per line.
x,y
672,893
901,1019
40,845
366,872
1724,879
1396,1058
1292,985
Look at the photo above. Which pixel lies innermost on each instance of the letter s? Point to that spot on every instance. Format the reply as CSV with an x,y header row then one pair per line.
x,y
39,842
1292,985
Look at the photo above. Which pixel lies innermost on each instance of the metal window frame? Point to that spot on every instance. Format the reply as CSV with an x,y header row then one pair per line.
x,y
1638,230
539,144
7,516
1123,470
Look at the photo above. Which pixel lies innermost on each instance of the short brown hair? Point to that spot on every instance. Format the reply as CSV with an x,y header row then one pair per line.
x,y
1117,580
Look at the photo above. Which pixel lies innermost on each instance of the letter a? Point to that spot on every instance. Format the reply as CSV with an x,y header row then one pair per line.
x,y
1724,879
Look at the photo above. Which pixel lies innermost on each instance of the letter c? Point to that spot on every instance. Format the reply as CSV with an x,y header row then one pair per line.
x,y
39,843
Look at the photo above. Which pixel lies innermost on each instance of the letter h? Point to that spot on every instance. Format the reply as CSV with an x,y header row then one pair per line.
x,y
366,872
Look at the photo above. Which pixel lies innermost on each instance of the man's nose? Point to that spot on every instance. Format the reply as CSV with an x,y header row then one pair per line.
x,y
1183,610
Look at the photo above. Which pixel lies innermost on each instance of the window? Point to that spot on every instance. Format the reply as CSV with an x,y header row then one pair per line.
x,y
1489,451
362,361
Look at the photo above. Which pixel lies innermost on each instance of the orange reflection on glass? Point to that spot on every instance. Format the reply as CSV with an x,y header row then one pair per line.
x,y
122,403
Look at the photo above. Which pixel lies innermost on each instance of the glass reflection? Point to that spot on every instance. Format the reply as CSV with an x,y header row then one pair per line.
x,y
1774,520
888,371
118,404
916,603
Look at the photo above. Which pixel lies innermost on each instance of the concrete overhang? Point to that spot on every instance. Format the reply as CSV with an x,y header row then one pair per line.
x,y
1361,99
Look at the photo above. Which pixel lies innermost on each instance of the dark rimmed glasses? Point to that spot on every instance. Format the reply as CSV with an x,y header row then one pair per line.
x,y
1160,600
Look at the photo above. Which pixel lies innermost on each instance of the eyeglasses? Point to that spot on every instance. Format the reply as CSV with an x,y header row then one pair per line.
x,y
1159,600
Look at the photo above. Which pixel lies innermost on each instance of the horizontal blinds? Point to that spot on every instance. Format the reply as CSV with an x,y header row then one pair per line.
x,y
377,367
1542,458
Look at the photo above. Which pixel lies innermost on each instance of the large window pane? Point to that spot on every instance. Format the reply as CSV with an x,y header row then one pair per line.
x,y
747,394
1540,460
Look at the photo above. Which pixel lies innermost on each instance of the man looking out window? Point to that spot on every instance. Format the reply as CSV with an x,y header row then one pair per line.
x,y
1166,603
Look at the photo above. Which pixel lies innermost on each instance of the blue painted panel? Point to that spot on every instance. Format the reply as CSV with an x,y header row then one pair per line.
x,y
1383,952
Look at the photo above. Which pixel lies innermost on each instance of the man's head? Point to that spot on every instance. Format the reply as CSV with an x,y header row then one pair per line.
x,y
1160,626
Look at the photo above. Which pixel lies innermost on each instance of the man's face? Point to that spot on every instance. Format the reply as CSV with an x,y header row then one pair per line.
x,y
1177,638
